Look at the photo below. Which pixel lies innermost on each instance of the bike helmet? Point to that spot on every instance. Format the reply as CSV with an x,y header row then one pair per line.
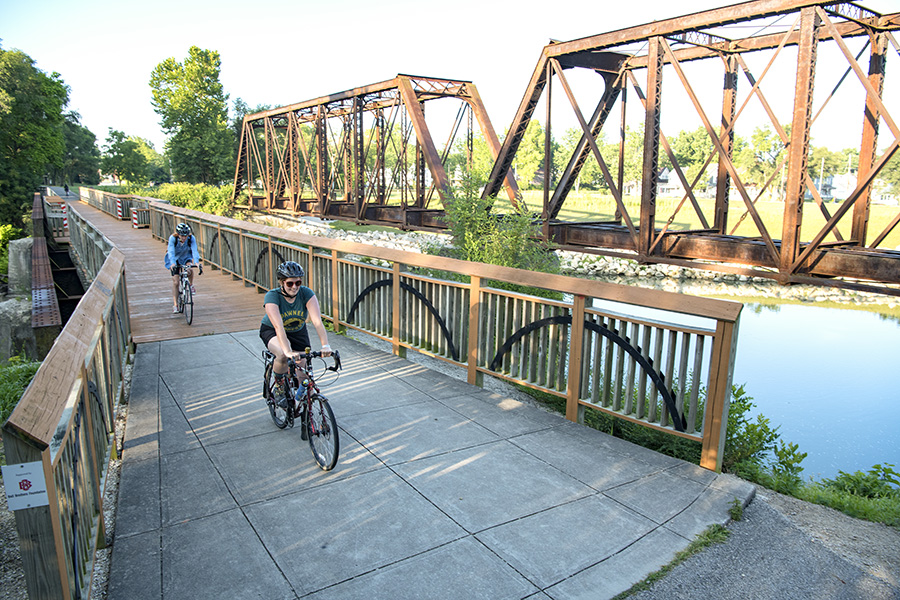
x,y
183,229
289,269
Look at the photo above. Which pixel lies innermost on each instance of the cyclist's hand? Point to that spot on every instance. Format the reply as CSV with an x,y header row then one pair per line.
x,y
174,271
326,350
293,355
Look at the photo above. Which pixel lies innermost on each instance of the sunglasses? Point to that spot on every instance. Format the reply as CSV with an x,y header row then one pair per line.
x,y
291,284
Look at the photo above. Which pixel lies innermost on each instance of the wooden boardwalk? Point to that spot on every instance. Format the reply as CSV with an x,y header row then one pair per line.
x,y
222,304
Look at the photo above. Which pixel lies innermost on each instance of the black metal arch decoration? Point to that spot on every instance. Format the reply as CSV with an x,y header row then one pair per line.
x,y
454,352
227,245
260,258
94,391
677,418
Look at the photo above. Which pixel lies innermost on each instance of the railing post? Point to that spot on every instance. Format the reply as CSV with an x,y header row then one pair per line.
x,y
474,376
335,293
573,386
398,350
715,422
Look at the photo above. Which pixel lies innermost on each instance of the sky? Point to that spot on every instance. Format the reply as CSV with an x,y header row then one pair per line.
x,y
277,52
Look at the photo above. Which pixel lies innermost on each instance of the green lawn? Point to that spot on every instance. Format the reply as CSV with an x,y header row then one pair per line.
x,y
595,206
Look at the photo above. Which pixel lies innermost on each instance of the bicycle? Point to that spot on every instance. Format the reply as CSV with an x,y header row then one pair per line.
x,y
186,293
304,401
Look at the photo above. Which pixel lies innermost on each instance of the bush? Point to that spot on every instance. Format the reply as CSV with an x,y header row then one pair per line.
x,y
199,196
880,481
15,376
508,239
7,234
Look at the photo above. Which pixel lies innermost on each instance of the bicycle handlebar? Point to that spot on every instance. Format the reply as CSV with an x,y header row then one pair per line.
x,y
317,354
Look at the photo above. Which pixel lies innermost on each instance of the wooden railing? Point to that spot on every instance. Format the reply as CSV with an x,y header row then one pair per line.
x,y
660,359
55,218
64,425
117,205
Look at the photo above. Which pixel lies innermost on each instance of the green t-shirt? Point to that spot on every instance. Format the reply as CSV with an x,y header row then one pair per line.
x,y
293,314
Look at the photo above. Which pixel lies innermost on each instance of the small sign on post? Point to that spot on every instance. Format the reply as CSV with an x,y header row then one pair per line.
x,y
25,485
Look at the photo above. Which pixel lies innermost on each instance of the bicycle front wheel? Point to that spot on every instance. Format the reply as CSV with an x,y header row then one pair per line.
x,y
279,415
188,303
321,427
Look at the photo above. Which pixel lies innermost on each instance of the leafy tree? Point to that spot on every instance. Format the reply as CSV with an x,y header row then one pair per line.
x,y
758,158
823,163
691,149
156,162
123,159
240,109
193,106
81,162
31,131
530,155
891,173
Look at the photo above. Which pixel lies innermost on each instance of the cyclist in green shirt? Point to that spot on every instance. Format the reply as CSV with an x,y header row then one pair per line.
x,y
283,328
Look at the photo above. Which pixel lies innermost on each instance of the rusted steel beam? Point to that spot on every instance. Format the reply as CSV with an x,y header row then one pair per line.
x,y
726,134
746,11
650,168
799,146
847,29
517,130
869,143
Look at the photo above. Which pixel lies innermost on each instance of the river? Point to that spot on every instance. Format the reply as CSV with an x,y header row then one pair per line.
x,y
829,378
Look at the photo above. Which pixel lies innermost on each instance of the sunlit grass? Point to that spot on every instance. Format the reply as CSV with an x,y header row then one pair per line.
x,y
587,206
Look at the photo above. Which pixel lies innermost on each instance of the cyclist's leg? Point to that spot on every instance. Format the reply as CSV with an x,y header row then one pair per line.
x,y
175,293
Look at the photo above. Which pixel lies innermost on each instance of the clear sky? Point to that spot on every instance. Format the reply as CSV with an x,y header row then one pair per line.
x,y
279,52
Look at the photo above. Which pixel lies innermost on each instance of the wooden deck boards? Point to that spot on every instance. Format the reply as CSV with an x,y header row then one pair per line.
x,y
221,305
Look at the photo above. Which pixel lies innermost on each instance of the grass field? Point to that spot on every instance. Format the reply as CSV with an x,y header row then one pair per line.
x,y
594,206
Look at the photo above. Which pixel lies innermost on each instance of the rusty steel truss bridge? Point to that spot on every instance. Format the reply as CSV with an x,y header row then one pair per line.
x,y
367,155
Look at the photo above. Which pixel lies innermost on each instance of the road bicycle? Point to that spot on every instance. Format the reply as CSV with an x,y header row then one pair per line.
x,y
186,293
303,401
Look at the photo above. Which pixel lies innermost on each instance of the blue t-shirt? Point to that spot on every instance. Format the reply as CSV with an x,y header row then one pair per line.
x,y
292,314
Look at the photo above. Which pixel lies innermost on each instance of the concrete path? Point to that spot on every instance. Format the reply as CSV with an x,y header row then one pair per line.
x,y
443,490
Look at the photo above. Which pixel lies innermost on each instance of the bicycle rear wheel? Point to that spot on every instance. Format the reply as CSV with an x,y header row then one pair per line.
x,y
279,415
321,427
188,303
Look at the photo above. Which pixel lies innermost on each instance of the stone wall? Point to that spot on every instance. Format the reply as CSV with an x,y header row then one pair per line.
x,y
16,335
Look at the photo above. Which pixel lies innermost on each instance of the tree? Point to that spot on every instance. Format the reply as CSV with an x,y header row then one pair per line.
x,y
123,159
530,155
156,162
240,109
81,162
31,131
759,157
691,149
193,106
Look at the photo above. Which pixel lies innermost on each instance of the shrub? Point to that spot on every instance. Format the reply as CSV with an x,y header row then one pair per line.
x,y
15,376
205,198
479,235
7,234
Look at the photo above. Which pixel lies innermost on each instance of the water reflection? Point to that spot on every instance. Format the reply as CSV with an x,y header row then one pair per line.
x,y
829,378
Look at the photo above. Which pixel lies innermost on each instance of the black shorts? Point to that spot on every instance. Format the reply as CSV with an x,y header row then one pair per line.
x,y
299,340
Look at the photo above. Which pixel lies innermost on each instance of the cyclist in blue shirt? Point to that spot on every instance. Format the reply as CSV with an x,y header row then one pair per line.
x,y
283,329
182,251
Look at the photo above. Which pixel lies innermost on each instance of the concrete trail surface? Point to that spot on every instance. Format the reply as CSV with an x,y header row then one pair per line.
x,y
442,490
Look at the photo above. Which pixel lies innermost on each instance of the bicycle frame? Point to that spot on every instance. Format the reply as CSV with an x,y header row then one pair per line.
x,y
304,400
